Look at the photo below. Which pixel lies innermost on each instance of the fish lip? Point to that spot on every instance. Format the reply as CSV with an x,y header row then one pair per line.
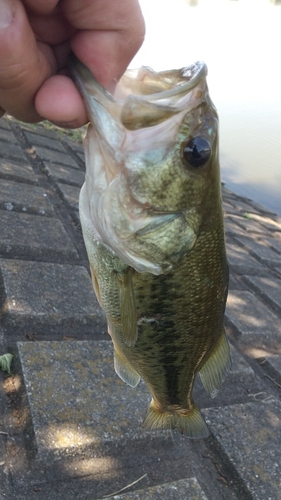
x,y
189,77
193,74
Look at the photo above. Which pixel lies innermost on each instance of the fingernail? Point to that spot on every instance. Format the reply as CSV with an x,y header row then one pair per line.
x,y
6,13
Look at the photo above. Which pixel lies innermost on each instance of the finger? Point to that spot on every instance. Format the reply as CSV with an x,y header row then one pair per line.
x,y
24,64
109,34
59,101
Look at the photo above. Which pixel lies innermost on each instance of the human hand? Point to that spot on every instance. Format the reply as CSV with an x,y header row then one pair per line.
x,y
36,37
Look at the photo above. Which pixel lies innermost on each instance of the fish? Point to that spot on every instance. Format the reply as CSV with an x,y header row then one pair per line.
x,y
152,222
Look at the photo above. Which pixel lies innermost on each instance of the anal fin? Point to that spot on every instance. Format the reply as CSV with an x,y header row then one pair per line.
x,y
191,423
216,368
127,307
125,371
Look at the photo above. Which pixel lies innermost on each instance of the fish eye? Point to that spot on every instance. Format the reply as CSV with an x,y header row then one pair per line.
x,y
197,151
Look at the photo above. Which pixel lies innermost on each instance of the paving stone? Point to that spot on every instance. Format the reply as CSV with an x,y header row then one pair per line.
x,y
17,172
259,248
249,315
8,150
54,297
241,262
249,225
82,157
231,227
269,223
35,237
183,489
23,197
70,195
7,135
228,207
274,243
78,148
41,130
47,142
4,124
250,435
244,207
260,345
267,286
61,173
55,156
96,409
275,362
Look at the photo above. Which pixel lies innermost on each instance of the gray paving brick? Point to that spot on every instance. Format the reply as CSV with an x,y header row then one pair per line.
x,y
260,345
241,261
231,227
175,490
70,195
23,197
267,286
82,157
250,225
268,222
228,207
44,141
274,243
78,148
4,124
56,297
275,362
8,150
250,435
243,207
55,156
21,172
61,173
35,237
7,135
97,407
248,314
259,248
41,130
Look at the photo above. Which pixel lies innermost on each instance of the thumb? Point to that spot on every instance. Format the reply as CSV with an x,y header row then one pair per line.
x,y
24,64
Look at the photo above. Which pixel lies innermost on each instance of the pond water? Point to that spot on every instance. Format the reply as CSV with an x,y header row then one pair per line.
x,y
240,42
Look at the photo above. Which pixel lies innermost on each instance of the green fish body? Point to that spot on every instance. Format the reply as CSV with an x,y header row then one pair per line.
x,y
152,223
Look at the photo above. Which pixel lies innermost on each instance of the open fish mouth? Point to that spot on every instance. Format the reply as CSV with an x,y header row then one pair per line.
x,y
130,161
144,97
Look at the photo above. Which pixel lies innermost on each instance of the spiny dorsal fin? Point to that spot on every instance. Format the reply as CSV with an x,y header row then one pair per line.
x,y
216,368
127,307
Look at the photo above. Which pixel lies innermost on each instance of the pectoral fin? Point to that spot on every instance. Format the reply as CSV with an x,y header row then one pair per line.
x,y
125,371
95,284
127,307
216,368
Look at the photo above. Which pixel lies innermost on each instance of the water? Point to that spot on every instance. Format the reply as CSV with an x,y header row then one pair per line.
x,y
240,42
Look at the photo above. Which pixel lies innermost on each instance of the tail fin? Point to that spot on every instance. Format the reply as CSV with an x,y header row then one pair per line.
x,y
190,423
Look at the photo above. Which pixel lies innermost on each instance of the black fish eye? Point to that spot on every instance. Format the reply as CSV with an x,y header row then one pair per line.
x,y
197,151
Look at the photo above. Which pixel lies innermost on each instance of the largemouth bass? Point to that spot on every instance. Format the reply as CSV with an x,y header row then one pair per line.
x,y
152,222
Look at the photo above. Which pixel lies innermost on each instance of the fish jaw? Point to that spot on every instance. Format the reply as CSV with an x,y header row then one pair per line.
x,y
133,136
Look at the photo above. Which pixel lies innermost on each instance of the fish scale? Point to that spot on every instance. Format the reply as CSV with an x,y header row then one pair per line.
x,y
152,222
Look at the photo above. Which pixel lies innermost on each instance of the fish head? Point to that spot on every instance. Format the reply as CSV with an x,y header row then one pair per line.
x,y
152,172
